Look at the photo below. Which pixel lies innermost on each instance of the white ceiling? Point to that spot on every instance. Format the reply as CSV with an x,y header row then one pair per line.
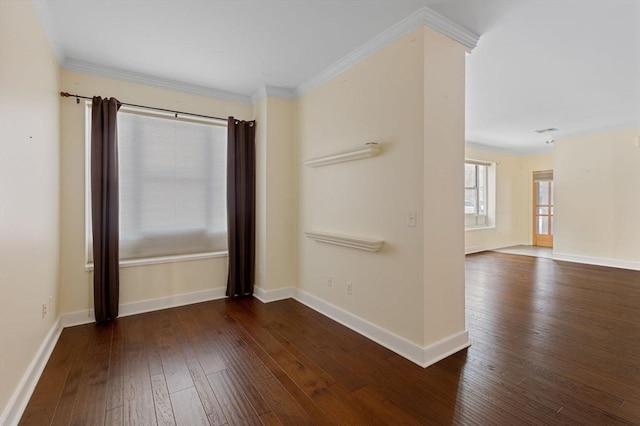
x,y
569,64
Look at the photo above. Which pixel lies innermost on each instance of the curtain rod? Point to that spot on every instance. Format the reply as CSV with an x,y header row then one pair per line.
x,y
78,97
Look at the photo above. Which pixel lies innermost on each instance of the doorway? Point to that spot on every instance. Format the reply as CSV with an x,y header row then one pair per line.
x,y
543,208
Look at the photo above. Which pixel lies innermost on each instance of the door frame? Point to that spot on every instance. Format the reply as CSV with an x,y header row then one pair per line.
x,y
539,239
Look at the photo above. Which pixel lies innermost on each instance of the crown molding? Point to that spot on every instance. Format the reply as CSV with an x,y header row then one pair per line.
x,y
134,77
274,91
434,20
422,17
613,127
541,148
514,151
42,10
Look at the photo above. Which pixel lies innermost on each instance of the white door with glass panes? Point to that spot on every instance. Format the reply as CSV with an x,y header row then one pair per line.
x,y
543,208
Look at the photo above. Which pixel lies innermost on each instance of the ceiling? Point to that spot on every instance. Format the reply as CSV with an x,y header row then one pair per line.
x,y
569,64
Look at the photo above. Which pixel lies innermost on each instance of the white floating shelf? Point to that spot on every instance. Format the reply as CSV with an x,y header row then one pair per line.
x,y
369,150
360,243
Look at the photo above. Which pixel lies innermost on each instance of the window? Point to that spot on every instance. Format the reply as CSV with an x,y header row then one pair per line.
x,y
172,185
477,194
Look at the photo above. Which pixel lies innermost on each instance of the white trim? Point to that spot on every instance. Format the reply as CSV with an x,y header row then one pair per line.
x,y
386,338
542,148
163,83
18,402
523,151
169,115
267,296
422,17
149,305
606,128
445,26
479,162
369,150
446,347
77,318
423,356
164,259
479,228
611,263
488,247
276,92
367,244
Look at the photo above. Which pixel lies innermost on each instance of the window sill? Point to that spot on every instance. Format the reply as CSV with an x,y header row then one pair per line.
x,y
479,228
165,259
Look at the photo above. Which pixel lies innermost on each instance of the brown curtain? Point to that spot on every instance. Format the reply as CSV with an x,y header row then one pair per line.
x,y
104,207
241,206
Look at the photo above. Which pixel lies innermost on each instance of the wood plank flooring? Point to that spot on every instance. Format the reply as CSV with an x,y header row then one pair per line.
x,y
552,343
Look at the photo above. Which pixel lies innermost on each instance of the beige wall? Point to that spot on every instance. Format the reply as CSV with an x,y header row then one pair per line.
x,y
260,115
29,191
276,197
513,199
510,203
140,282
409,97
443,219
597,196
384,99
597,199
530,164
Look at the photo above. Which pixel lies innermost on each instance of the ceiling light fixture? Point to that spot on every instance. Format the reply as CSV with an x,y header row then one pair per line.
x,y
549,130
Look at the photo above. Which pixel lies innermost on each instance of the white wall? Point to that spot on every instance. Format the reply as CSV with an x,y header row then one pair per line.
x,y
29,192
137,283
409,97
597,198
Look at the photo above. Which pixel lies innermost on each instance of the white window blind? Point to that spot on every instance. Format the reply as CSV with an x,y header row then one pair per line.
x,y
172,186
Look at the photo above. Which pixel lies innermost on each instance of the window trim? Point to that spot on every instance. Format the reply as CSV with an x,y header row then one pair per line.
x,y
163,259
490,187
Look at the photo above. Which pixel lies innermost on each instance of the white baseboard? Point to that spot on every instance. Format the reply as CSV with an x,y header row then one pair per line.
x,y
77,318
149,305
612,263
478,249
18,402
423,356
445,347
266,296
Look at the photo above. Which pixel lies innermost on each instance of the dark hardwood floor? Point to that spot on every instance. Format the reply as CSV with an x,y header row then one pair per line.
x,y
552,343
